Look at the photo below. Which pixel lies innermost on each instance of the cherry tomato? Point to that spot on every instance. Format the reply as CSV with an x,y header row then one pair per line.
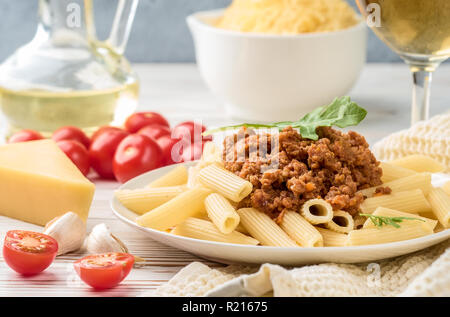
x,y
71,133
102,150
77,154
102,130
172,149
25,136
28,252
154,131
135,155
138,120
193,152
191,131
102,271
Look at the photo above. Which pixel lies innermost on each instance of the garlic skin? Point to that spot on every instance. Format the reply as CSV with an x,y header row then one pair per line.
x,y
69,230
100,240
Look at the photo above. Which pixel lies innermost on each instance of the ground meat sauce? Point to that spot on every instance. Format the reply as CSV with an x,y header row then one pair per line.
x,y
334,168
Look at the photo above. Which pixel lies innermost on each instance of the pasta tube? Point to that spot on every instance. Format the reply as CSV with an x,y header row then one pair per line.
x,y
446,188
440,204
177,176
417,181
317,211
358,222
205,230
392,172
419,163
386,212
412,201
221,213
332,238
342,222
224,182
387,234
300,230
175,211
264,229
145,199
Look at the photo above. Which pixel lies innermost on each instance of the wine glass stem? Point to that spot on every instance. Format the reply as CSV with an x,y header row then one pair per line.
x,y
421,94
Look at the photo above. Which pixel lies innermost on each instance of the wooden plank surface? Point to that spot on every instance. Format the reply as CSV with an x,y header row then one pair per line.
x,y
179,93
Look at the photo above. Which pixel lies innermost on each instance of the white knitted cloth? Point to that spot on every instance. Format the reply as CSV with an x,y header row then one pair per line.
x,y
424,273
431,138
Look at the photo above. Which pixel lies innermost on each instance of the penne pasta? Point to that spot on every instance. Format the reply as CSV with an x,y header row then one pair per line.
x,y
341,222
440,204
446,188
412,201
177,176
175,211
145,199
264,229
317,211
417,181
224,182
242,229
386,212
221,213
419,163
392,172
211,155
205,230
300,230
358,222
332,238
192,176
387,234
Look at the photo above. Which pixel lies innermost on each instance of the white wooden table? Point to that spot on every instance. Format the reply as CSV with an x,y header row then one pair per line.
x,y
178,92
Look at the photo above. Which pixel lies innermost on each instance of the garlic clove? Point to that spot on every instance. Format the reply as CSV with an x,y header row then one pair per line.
x,y
100,240
69,230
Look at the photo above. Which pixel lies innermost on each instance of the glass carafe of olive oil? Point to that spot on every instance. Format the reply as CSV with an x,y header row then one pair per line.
x,y
65,76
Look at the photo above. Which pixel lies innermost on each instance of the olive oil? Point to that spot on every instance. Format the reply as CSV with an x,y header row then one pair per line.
x,y
46,111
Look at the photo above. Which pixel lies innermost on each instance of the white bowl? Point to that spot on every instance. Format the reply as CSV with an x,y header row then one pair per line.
x,y
265,77
233,253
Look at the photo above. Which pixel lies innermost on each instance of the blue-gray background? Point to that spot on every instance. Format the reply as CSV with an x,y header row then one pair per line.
x,y
159,32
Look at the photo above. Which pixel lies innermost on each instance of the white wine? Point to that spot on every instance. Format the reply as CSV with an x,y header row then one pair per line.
x,y
46,111
414,28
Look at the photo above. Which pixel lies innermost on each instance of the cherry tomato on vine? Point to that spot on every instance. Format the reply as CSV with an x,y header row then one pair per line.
x,y
135,155
154,131
25,136
191,131
73,134
102,150
102,271
193,152
77,154
172,149
102,130
138,120
28,252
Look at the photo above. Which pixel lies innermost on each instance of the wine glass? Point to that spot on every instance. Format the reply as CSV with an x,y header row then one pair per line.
x,y
419,32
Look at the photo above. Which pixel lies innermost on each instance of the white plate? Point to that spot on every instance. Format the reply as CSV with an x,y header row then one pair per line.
x,y
232,253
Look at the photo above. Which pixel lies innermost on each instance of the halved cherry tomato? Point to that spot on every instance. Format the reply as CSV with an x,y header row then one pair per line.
x,y
138,120
28,252
193,152
135,155
71,133
77,154
191,131
25,136
154,131
102,130
172,149
102,271
102,150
